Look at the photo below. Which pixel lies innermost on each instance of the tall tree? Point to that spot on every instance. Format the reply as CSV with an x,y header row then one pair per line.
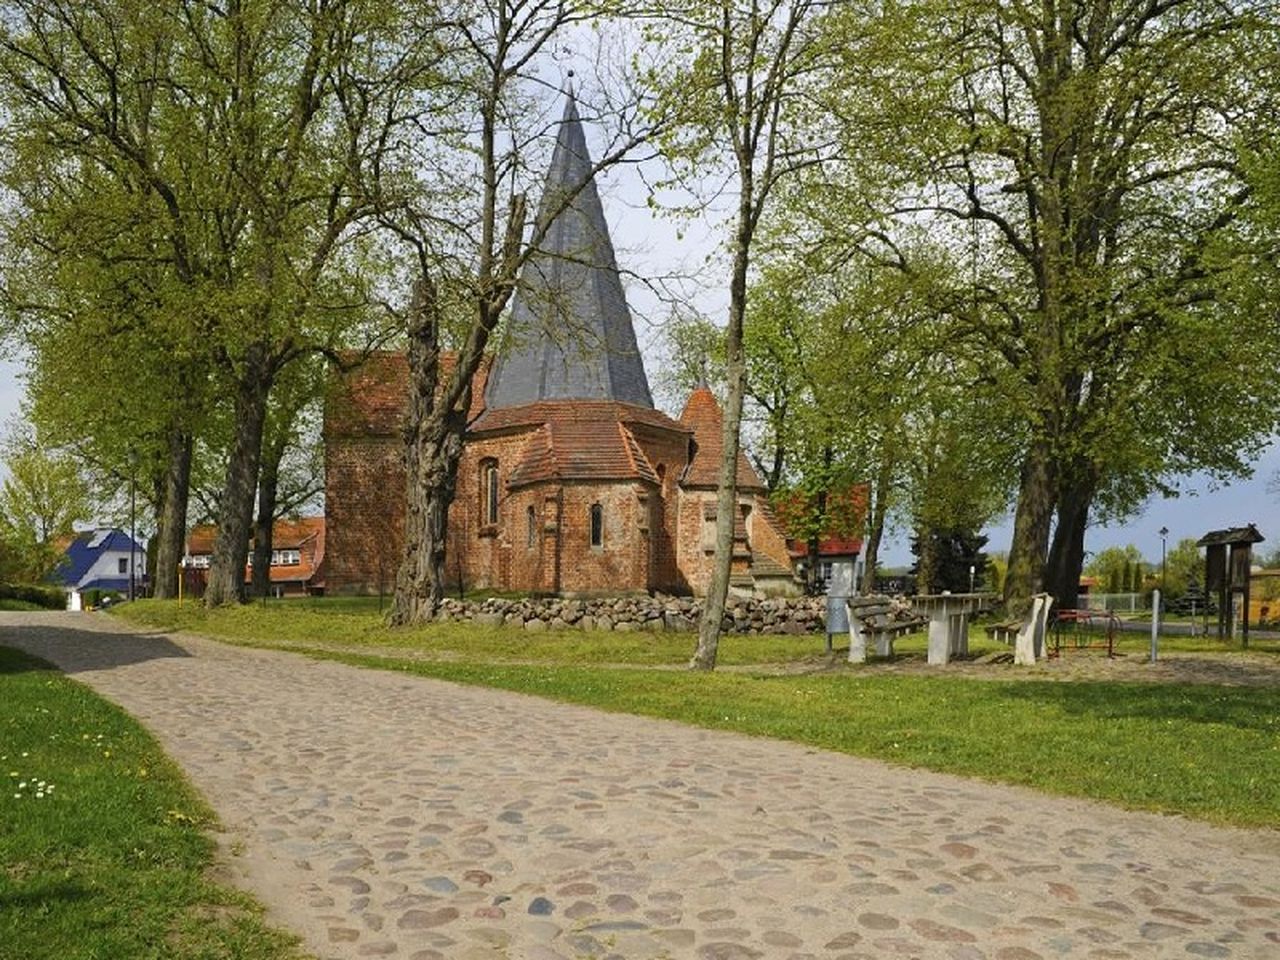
x,y
1089,156
236,137
744,98
41,499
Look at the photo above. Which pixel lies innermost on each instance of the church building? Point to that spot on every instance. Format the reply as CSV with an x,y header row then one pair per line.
x,y
571,482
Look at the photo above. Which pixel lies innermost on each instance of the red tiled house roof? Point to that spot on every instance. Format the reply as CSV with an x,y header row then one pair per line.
x,y
305,534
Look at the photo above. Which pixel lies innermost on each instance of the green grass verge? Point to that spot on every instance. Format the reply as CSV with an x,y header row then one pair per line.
x,y
346,622
18,605
1211,752
104,850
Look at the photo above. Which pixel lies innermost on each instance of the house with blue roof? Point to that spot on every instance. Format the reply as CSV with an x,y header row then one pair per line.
x,y
100,559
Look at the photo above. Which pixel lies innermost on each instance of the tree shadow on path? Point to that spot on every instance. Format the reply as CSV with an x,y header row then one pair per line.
x,y
74,643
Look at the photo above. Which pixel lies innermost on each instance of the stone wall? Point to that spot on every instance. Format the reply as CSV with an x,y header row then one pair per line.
x,y
793,615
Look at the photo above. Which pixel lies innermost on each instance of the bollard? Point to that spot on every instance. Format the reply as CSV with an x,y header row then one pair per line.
x,y
1155,623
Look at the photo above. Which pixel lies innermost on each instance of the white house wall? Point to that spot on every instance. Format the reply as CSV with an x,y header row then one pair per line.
x,y
107,566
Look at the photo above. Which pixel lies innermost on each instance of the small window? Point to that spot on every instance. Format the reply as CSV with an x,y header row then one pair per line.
x,y
491,492
123,565
597,525
532,516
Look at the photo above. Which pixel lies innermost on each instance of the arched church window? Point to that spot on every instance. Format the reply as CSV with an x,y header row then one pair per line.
x,y
489,491
597,525
532,517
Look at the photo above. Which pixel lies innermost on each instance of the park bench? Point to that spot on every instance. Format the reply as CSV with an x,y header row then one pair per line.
x,y
878,626
1027,635
1004,632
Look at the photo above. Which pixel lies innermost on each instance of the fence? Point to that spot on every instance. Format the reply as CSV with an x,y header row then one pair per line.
x,y
1113,602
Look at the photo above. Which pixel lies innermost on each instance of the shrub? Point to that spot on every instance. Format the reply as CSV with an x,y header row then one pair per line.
x,y
50,598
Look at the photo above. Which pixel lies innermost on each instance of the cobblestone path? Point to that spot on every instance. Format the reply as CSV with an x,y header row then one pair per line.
x,y
381,815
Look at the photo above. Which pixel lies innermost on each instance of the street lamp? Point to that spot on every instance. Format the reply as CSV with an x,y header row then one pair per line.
x,y
133,510
1164,533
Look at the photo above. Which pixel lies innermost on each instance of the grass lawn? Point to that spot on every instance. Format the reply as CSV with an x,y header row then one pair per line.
x,y
104,850
355,622
1207,751
8,603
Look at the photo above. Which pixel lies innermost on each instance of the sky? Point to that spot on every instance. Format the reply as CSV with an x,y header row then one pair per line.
x,y
651,246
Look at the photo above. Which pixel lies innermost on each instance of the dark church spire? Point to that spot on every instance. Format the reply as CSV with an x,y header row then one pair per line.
x,y
570,335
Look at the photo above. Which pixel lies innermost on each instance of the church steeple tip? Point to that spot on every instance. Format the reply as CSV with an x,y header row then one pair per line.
x,y
570,335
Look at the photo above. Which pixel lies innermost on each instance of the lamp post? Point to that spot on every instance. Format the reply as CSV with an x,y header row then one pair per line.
x,y
133,512
1164,533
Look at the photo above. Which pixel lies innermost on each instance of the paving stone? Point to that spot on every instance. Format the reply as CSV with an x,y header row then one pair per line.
x,y
878,921
932,930
426,919
1199,948
437,810
850,938
1160,931
727,950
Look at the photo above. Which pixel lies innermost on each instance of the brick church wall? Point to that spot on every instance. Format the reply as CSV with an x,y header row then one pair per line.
x,y
669,455
364,511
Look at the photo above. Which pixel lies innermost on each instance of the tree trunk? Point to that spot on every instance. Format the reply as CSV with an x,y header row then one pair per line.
x,y
263,531
1066,554
431,477
1030,528
876,517
704,656
819,521
235,511
171,532
433,447
926,560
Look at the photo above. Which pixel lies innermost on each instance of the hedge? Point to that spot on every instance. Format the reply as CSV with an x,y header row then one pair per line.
x,y
52,598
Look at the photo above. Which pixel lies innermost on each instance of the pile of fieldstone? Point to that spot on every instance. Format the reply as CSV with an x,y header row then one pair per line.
x,y
795,615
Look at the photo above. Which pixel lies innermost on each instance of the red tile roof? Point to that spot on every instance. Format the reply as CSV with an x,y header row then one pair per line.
x,y
828,547
370,399
702,415
591,450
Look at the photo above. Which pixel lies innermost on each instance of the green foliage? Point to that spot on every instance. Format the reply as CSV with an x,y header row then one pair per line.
x,y
42,497
1101,202
44,598
949,560
112,860
1118,569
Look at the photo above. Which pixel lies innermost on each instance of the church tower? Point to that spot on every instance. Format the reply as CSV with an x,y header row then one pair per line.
x,y
570,481
570,335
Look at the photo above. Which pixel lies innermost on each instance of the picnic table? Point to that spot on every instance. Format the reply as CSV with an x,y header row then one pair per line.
x,y
878,620
948,615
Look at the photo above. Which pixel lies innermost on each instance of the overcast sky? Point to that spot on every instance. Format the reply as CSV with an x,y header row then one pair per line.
x,y
650,246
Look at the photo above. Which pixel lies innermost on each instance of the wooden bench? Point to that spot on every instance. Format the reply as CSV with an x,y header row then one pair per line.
x,y
1004,632
1028,635
877,626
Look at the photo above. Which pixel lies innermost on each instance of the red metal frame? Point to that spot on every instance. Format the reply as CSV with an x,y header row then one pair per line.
x,y
1089,619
